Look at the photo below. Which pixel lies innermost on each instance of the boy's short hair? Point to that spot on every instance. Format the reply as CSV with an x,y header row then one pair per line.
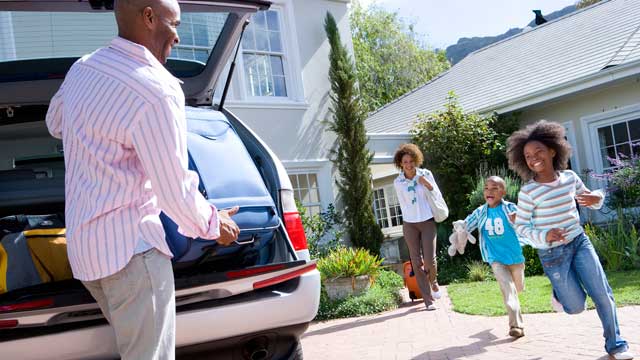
x,y
498,180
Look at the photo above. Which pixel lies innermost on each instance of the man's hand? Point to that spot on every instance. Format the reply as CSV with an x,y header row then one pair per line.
x,y
228,228
587,199
422,180
556,234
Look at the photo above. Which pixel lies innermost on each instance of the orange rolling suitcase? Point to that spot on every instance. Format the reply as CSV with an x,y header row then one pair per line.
x,y
410,282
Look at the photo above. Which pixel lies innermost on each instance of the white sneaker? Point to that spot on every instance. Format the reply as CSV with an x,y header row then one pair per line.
x,y
556,305
431,307
625,355
436,294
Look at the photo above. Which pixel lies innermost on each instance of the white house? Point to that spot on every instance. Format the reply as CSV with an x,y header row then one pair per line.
x,y
581,70
280,86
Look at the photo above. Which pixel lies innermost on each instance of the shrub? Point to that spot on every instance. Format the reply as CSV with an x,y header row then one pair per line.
x,y
624,181
452,269
478,271
455,143
382,296
349,262
617,245
350,154
512,181
323,230
532,265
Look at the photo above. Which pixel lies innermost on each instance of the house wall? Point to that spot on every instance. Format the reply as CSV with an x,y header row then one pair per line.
x,y
582,114
295,129
293,126
580,110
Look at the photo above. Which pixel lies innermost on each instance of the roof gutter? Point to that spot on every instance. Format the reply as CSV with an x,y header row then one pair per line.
x,y
601,77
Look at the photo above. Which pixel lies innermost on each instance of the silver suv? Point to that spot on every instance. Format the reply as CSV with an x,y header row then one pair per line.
x,y
229,306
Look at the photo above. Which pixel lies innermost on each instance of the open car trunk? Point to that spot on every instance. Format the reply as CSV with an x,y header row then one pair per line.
x,y
32,162
204,271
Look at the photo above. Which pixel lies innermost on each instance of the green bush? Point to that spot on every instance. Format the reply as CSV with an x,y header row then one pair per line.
x,y
323,231
349,262
624,181
350,155
478,271
617,245
455,142
532,265
452,269
382,296
512,181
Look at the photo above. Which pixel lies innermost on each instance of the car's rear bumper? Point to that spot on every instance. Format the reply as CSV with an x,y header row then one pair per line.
x,y
267,309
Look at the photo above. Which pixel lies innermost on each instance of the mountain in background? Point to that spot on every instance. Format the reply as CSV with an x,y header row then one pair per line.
x,y
465,45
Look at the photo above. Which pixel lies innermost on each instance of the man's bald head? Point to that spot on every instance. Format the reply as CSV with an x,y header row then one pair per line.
x,y
151,23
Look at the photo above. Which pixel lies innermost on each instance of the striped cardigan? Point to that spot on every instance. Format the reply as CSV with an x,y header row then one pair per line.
x,y
542,207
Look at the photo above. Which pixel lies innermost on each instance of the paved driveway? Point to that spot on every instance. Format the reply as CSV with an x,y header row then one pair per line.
x,y
412,333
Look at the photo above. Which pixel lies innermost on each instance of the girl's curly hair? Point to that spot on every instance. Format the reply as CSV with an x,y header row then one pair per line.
x,y
408,149
550,134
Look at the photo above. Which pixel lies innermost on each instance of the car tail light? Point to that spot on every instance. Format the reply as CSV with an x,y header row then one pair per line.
x,y
30,305
284,277
8,324
293,223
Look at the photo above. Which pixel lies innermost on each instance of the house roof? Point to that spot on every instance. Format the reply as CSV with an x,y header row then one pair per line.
x,y
562,51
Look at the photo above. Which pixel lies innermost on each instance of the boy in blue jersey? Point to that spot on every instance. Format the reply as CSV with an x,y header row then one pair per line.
x,y
500,247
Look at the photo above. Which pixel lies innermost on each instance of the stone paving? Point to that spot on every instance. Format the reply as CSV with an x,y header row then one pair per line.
x,y
410,332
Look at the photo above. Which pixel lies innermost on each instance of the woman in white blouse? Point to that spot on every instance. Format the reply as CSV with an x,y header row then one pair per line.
x,y
419,227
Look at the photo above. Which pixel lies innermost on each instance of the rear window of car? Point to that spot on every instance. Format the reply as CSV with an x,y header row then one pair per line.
x,y
44,35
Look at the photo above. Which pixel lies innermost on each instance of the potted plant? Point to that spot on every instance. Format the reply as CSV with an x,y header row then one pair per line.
x,y
348,271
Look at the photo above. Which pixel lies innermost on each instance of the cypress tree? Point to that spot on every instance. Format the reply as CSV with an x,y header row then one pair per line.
x,y
351,156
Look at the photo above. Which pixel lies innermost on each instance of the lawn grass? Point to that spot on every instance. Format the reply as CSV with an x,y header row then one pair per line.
x,y
485,298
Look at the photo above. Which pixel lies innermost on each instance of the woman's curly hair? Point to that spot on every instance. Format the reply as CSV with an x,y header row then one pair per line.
x,y
550,134
408,149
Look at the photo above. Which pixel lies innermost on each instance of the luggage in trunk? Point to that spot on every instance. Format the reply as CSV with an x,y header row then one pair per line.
x,y
33,250
228,177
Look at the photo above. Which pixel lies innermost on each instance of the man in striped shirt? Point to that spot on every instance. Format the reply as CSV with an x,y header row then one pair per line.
x,y
121,117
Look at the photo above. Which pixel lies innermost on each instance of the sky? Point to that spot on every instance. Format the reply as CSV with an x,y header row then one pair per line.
x,y
442,23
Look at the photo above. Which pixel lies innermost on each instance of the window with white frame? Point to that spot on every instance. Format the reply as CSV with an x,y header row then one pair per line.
x,y
263,56
387,207
306,191
618,140
198,34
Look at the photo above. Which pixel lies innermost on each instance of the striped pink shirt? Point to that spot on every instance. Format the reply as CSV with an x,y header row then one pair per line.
x,y
120,115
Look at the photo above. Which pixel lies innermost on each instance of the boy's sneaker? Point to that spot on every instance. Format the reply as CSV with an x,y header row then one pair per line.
x,y
555,304
625,355
516,332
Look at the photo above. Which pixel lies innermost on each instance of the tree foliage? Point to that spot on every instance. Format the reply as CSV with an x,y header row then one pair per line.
x,y
391,60
455,144
584,3
351,156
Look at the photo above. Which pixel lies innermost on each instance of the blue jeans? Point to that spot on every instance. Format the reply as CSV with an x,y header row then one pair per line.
x,y
574,268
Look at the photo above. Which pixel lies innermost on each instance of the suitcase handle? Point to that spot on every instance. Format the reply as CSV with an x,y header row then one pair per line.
x,y
250,241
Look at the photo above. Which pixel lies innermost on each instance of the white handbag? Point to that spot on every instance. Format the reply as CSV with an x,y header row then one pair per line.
x,y
436,202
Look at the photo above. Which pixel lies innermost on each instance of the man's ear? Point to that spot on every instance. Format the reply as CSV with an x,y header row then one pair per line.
x,y
148,17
